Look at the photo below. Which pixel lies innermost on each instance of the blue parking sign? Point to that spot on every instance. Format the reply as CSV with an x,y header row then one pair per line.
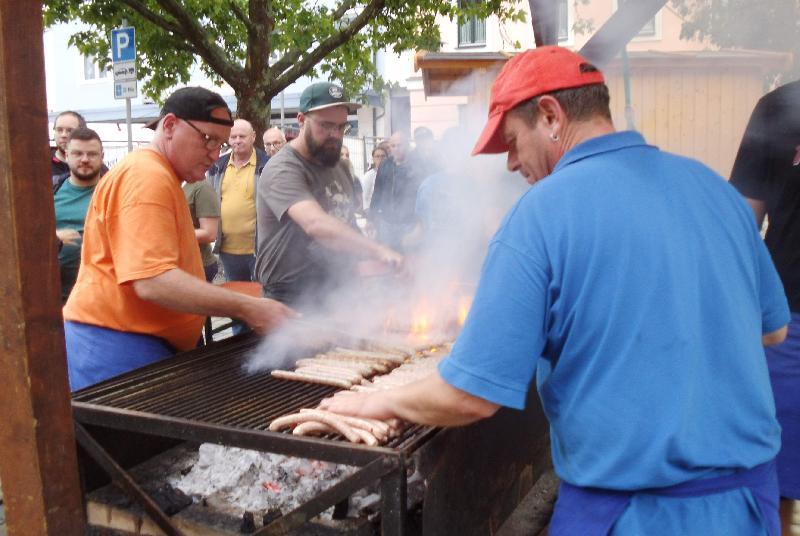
x,y
123,44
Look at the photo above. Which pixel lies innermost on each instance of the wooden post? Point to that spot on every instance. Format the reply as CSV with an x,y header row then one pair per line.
x,y
38,462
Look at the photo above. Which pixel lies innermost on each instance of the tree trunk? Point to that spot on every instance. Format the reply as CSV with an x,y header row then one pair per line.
x,y
255,106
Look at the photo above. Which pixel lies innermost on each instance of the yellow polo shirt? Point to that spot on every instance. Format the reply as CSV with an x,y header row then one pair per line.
x,y
238,208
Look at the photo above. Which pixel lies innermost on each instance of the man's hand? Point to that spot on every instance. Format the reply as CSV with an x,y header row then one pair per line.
x,y
69,237
264,315
429,401
391,258
364,405
178,290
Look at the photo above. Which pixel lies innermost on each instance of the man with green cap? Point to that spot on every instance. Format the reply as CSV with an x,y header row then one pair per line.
x,y
307,236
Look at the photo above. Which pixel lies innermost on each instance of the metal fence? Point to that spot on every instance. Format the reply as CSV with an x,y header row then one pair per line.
x,y
117,150
361,151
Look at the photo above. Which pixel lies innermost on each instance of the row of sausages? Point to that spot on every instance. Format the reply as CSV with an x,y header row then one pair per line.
x,y
356,370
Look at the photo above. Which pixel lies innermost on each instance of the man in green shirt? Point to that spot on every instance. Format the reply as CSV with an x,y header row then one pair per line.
x,y
72,196
204,207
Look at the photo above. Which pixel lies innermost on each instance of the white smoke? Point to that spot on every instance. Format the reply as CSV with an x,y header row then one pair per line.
x,y
468,199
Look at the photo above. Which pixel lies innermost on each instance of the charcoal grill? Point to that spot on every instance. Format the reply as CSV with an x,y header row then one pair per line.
x,y
206,395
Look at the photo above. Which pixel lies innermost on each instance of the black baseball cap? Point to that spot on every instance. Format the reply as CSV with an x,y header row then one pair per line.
x,y
194,103
323,95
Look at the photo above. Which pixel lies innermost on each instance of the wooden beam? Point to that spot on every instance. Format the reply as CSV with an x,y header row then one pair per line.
x,y
544,19
38,462
619,29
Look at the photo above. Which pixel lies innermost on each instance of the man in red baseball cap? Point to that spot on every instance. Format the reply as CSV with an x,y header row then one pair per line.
x,y
632,287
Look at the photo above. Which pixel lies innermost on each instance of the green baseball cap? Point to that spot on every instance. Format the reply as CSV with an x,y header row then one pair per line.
x,y
321,95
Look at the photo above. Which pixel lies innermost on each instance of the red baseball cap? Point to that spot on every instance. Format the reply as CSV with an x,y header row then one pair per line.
x,y
528,75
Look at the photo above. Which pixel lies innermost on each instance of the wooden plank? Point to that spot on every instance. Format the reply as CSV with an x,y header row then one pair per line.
x,y
661,137
701,118
676,100
688,114
714,121
727,144
648,105
38,462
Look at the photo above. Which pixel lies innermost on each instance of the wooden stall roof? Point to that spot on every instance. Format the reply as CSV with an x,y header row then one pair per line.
x,y
441,70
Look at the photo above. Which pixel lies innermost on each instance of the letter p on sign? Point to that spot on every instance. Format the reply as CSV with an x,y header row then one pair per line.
x,y
123,44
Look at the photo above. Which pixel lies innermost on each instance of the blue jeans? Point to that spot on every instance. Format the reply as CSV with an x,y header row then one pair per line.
x,y
783,361
211,271
238,267
95,354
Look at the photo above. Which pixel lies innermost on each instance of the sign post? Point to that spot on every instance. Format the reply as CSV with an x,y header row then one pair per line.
x,y
123,58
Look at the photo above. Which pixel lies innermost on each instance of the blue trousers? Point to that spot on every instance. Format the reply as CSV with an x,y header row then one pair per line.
x,y
95,354
783,361
751,494
211,271
238,267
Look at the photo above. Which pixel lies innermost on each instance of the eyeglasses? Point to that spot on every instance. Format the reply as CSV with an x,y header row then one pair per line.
x,y
277,144
211,143
332,128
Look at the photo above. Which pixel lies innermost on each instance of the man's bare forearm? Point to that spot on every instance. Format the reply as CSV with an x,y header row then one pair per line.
x,y
429,401
180,291
339,236
775,337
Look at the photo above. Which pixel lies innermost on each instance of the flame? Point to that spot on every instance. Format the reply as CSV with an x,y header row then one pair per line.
x,y
464,303
421,320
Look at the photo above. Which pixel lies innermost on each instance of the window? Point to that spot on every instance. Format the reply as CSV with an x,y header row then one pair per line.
x,y
472,31
563,20
91,71
649,28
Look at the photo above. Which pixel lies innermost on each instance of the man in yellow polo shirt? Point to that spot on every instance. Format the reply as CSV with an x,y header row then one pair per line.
x,y
235,179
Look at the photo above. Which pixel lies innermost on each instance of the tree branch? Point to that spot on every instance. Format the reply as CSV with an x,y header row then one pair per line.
x,y
290,58
212,54
327,46
237,11
153,17
259,41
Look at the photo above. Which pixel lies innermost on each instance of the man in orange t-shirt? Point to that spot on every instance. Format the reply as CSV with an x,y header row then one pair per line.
x,y
141,292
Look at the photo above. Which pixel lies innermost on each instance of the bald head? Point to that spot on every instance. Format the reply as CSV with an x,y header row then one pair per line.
x,y
398,144
242,139
273,140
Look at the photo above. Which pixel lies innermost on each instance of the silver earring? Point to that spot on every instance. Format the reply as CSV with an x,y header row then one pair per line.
x,y
553,137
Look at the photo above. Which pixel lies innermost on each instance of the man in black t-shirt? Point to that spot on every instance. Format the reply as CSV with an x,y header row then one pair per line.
x,y
63,126
306,232
767,173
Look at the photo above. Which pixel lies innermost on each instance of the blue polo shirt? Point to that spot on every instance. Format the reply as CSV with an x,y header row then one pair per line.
x,y
634,286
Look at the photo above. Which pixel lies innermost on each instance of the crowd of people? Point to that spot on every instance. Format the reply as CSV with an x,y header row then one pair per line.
x,y
631,286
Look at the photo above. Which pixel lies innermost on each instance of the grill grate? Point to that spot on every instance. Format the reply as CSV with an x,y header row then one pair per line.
x,y
211,387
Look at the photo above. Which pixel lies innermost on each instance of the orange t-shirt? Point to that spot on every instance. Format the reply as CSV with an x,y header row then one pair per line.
x,y
138,226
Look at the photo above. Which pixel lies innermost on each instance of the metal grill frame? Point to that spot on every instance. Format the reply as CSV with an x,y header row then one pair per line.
x,y
187,374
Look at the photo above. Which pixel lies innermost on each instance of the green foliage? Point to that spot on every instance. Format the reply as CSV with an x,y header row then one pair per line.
x,y
228,39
